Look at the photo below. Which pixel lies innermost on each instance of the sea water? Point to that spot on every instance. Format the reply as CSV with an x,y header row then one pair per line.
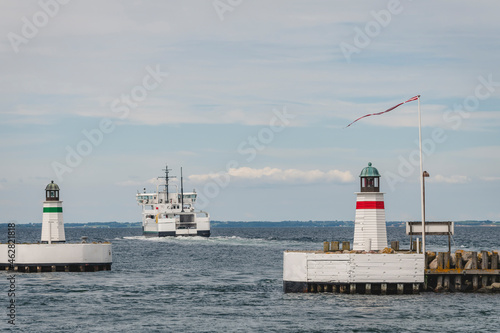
x,y
232,282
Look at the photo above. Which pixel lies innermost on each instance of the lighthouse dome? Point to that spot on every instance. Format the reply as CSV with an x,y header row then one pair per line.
x,y
52,192
369,171
52,187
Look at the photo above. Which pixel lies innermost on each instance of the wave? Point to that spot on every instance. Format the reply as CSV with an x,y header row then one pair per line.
x,y
224,240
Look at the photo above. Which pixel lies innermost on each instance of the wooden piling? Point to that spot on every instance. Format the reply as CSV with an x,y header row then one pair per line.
x,y
326,246
494,265
383,288
352,288
334,246
475,278
416,288
484,265
395,245
368,288
440,264
416,246
446,265
346,246
401,288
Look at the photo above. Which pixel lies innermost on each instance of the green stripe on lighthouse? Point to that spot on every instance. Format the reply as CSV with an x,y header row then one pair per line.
x,y
52,209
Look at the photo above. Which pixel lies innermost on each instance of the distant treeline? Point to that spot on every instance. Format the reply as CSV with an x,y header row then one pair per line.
x,y
84,225
251,224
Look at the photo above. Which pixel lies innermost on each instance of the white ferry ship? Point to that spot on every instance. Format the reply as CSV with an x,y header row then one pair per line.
x,y
170,213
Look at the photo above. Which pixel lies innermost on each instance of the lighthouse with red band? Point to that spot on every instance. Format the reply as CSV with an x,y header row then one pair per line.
x,y
370,232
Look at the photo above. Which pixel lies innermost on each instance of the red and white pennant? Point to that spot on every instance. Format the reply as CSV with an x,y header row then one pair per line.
x,y
390,109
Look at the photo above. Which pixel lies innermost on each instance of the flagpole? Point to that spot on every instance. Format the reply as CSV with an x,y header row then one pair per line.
x,y
421,175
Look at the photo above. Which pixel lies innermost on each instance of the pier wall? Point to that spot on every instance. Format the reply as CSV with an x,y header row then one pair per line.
x,y
303,268
55,257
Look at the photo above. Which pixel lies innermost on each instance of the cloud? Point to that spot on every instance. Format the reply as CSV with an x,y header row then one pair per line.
x,y
454,179
278,176
490,179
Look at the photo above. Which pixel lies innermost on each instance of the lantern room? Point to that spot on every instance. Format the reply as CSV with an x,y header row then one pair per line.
x,y
52,192
370,179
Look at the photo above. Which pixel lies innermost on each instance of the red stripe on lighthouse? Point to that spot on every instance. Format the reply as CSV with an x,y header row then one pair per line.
x,y
370,205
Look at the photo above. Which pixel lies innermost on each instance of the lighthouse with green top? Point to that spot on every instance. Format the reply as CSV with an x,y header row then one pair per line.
x,y
52,223
370,232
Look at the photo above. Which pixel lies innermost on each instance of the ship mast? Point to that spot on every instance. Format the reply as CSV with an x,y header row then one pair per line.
x,y
182,193
166,179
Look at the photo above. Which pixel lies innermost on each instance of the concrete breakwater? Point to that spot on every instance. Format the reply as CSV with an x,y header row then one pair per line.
x,y
338,268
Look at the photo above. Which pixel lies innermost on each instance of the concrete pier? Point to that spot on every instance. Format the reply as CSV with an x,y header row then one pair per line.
x,y
389,272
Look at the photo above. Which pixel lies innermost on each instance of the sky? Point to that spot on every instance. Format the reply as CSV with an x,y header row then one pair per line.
x,y
252,100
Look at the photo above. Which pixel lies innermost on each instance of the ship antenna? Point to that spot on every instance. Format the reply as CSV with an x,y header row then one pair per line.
x,y
182,193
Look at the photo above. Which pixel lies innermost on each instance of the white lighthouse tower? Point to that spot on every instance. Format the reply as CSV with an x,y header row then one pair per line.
x,y
52,223
370,232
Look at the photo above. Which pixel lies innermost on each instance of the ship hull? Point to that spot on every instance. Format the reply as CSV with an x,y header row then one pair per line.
x,y
191,233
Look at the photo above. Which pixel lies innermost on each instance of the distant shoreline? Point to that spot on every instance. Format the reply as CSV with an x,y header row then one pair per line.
x,y
256,224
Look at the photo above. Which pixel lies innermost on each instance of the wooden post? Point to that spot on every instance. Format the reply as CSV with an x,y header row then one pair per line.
x,y
475,277
368,288
319,288
26,269
38,269
383,288
395,245
484,265
447,265
416,288
446,260
459,262
335,246
326,246
343,288
334,288
352,288
439,280
66,268
53,268
346,246
401,288
459,265
416,246
494,265
458,282
440,260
